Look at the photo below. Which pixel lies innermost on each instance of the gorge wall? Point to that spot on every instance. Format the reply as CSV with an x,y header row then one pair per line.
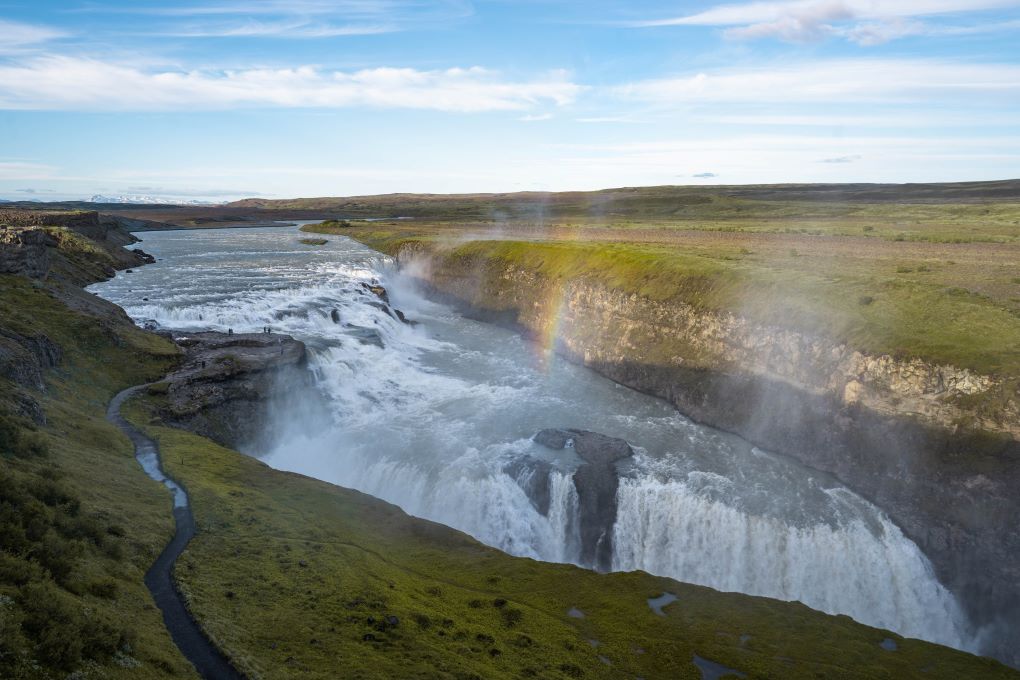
x,y
935,446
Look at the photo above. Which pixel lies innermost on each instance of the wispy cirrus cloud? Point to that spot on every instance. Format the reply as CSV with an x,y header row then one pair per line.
x,y
277,29
73,83
865,22
17,37
25,170
297,7
300,19
831,81
841,160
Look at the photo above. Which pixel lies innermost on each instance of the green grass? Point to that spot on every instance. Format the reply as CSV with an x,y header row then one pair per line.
x,y
297,577
909,314
81,522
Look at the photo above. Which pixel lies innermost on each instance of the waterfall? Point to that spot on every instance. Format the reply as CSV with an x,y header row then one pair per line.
x,y
863,567
437,418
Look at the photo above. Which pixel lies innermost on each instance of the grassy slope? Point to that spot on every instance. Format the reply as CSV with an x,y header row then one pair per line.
x,y
291,574
123,516
904,299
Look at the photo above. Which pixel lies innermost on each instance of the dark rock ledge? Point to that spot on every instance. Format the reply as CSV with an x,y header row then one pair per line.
x,y
224,386
596,482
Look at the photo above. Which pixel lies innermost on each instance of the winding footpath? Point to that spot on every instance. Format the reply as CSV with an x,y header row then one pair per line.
x,y
189,638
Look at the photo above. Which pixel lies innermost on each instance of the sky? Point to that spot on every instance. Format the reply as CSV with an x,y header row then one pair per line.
x,y
227,99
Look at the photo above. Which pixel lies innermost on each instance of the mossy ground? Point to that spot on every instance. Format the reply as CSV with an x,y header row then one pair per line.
x,y
296,577
71,591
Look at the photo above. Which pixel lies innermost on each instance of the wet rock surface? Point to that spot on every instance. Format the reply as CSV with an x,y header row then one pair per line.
x,y
533,477
596,481
226,382
364,335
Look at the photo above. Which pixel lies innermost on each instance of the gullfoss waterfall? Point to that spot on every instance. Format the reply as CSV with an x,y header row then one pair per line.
x,y
438,417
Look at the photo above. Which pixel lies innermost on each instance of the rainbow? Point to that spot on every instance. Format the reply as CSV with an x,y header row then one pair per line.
x,y
551,324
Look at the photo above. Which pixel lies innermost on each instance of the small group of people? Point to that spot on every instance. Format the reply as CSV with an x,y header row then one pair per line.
x,y
265,329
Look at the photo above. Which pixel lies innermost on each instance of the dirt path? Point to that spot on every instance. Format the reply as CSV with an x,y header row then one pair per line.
x,y
189,638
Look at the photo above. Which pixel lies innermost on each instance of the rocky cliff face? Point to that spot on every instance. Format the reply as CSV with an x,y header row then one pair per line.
x,y
63,251
25,252
82,247
935,446
225,384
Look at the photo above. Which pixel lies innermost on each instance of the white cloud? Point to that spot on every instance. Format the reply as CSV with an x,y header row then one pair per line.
x,y
297,7
829,82
762,12
871,22
24,170
838,160
296,18
17,37
607,119
70,83
279,29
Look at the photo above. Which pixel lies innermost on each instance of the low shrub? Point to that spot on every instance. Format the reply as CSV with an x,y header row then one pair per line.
x,y
19,440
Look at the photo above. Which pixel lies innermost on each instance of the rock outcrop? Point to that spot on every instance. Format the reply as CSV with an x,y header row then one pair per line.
x,y
63,251
25,252
596,481
80,247
226,382
23,359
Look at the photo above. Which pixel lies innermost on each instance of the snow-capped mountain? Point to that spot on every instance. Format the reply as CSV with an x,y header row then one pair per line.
x,y
143,199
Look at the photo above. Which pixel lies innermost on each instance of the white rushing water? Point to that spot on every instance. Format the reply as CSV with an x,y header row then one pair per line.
x,y
435,419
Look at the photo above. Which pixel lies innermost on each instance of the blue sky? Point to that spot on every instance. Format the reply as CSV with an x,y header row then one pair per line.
x,y
232,98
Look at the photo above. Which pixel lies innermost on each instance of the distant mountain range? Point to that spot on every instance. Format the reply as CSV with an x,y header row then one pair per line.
x,y
140,199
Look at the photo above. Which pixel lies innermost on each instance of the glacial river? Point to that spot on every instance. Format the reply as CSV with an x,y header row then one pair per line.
x,y
432,419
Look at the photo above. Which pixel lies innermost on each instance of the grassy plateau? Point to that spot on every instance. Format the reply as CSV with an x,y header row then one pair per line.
x,y
940,282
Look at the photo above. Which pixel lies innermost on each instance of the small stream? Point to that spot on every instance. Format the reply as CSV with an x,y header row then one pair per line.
x,y
209,663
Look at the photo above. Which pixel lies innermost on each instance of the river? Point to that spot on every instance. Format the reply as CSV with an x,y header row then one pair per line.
x,y
434,419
